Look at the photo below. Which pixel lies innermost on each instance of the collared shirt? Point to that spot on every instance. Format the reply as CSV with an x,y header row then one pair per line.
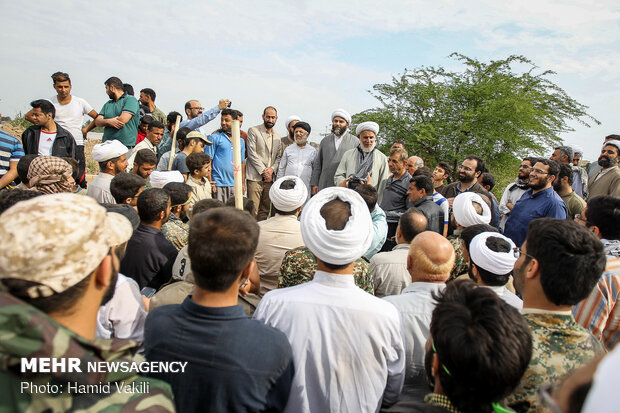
x,y
176,231
112,108
394,201
600,312
145,144
221,154
347,344
200,120
415,305
559,346
380,227
298,161
222,374
511,195
278,235
432,212
200,189
99,189
149,257
545,203
11,150
574,204
508,296
299,265
389,271
123,316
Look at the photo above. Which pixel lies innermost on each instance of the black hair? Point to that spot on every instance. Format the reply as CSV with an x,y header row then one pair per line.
x,y
483,344
156,124
182,133
565,171
172,117
22,167
127,88
570,259
13,196
369,194
125,185
409,228
270,107
115,82
424,182
144,156
239,114
423,171
152,202
480,165
554,167
230,112
205,205
531,159
61,77
446,167
604,212
149,92
147,119
248,204
45,105
222,242
490,278
196,161
179,192
468,233
488,179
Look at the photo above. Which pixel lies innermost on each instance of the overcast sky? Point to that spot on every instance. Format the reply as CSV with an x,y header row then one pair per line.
x,y
304,57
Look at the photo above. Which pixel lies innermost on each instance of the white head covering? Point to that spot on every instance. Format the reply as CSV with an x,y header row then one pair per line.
x,y
332,246
343,114
499,263
287,200
371,126
290,119
160,178
577,149
614,142
465,213
108,150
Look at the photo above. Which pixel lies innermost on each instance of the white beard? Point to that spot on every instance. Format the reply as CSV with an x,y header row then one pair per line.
x,y
368,149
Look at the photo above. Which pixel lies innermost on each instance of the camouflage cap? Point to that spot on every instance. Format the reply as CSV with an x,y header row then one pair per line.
x,y
57,240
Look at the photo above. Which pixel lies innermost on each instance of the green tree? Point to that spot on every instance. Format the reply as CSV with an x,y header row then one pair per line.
x,y
489,109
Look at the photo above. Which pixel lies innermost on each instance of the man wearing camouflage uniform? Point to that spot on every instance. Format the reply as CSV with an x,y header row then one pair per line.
x,y
59,259
559,264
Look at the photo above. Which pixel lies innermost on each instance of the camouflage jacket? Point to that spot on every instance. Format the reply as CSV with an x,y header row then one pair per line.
x,y
299,265
460,265
559,346
27,333
176,231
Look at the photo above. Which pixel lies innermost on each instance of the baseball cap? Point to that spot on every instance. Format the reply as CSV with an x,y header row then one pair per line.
x,y
57,240
199,135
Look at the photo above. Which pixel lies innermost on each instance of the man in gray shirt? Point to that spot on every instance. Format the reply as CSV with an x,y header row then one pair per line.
x,y
421,196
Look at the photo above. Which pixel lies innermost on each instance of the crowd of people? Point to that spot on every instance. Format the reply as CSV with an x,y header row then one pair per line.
x,y
351,281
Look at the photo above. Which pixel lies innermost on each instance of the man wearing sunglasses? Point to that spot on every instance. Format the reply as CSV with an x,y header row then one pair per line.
x,y
537,202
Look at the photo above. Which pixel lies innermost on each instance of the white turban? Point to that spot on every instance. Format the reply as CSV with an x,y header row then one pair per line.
x,y
371,126
498,263
343,114
287,200
615,143
160,178
290,119
333,246
108,150
465,213
577,149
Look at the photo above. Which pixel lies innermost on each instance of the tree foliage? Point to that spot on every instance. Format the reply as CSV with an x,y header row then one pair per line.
x,y
487,109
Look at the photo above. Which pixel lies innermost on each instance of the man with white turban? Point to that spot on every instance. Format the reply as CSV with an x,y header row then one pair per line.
x,y
160,178
297,159
491,260
331,150
347,345
289,137
112,158
364,162
281,232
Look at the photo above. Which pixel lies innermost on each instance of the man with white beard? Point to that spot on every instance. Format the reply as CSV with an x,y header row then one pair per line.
x,y
297,159
364,162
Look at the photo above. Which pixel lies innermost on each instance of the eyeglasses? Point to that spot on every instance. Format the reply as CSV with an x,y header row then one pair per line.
x,y
540,172
545,399
523,166
517,252
579,217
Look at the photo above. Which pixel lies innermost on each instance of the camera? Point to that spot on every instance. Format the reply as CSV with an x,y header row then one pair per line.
x,y
354,181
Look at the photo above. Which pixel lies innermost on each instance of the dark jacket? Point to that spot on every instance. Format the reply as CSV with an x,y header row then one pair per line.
x,y
63,146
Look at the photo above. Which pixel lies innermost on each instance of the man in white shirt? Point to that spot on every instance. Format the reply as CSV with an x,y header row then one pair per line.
x,y
297,159
112,158
347,344
154,135
429,262
281,232
389,269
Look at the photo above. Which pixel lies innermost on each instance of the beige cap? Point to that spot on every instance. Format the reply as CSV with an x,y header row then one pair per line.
x,y
57,240
195,134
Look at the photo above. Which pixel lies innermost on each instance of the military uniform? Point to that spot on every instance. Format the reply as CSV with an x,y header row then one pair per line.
x,y
28,333
299,265
460,264
559,346
176,231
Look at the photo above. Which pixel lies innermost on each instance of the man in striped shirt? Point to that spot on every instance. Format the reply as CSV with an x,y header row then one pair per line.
x,y
600,312
11,152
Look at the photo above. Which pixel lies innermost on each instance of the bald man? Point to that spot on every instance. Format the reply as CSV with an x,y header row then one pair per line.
x,y
413,164
389,269
430,260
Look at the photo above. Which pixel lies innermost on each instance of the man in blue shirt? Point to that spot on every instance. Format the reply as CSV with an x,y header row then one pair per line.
x,y
195,116
11,152
221,153
537,202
